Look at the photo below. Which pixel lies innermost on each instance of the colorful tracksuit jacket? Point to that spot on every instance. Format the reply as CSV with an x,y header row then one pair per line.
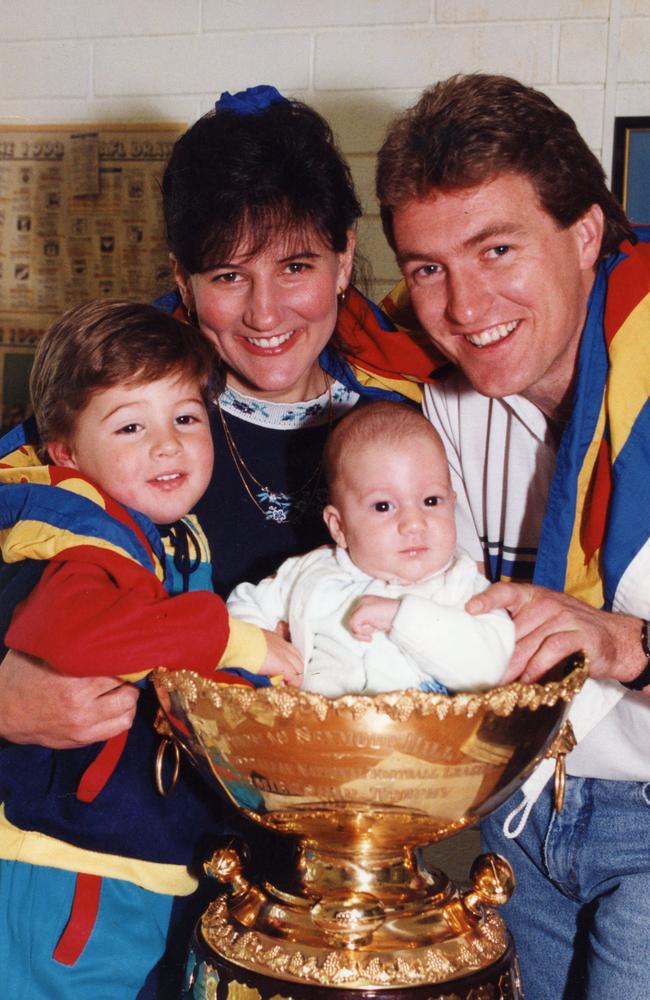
x,y
92,574
103,584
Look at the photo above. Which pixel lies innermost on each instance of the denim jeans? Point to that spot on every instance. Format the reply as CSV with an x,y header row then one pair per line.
x,y
580,913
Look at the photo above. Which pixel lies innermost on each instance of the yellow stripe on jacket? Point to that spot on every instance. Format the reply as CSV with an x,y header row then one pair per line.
x,y
32,848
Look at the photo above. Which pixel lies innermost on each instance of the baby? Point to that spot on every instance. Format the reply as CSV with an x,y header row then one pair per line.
x,y
384,609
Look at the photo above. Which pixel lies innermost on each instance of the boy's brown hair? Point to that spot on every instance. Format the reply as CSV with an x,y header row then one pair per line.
x,y
105,343
393,423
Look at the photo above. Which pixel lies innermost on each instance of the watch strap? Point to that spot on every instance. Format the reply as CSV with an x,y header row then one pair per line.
x,y
638,683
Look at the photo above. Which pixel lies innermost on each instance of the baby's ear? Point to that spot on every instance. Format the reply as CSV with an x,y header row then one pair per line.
x,y
61,454
332,519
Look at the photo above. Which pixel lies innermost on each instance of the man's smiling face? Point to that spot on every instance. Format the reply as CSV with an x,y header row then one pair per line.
x,y
498,286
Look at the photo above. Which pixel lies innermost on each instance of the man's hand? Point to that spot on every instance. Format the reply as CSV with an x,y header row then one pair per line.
x,y
282,659
550,626
38,705
372,614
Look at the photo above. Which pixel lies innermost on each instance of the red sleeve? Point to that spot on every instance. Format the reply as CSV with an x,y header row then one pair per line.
x,y
112,617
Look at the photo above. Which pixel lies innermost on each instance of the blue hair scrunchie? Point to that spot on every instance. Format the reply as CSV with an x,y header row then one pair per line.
x,y
251,101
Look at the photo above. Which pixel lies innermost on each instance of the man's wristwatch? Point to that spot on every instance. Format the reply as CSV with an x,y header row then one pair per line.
x,y
644,677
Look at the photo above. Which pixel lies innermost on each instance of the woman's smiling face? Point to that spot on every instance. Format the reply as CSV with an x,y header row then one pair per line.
x,y
270,315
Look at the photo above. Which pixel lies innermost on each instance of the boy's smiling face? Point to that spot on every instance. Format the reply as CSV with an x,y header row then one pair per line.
x,y
393,509
147,445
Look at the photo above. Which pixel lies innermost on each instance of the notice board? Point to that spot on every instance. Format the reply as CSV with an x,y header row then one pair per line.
x,y
80,218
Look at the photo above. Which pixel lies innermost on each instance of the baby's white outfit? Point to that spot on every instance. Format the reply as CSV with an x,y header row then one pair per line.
x,y
432,636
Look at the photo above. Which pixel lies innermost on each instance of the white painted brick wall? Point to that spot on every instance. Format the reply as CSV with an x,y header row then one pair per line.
x,y
257,14
351,60
636,8
201,64
634,54
55,19
583,52
357,61
43,69
519,10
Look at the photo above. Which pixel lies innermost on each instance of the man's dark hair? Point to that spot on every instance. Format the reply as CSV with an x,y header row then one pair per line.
x,y
468,129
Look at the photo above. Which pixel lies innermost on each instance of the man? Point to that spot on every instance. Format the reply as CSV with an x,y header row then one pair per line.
x,y
526,274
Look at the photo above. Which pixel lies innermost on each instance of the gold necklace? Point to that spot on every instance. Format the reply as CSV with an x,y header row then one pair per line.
x,y
243,469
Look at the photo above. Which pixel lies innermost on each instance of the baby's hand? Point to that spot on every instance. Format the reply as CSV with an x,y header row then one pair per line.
x,y
282,659
372,614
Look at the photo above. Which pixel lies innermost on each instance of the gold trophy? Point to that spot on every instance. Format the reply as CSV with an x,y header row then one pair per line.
x,y
361,783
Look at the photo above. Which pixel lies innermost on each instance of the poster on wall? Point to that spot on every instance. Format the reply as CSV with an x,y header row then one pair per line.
x,y
631,167
80,218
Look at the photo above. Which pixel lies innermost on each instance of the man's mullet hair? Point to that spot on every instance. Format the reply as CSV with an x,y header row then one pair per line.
x,y
471,128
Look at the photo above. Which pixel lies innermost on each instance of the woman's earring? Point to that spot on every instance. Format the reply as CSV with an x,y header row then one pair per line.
x,y
342,295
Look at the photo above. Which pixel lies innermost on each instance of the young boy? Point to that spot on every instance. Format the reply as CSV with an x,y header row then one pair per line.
x,y
118,396
385,608
92,857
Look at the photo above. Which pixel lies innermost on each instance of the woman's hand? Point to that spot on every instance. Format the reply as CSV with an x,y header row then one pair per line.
x,y
282,659
372,614
550,626
38,705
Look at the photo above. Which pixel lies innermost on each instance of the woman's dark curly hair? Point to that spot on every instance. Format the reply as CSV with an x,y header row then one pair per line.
x,y
238,180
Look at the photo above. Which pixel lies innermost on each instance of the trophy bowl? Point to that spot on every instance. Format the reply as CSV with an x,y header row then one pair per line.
x,y
361,783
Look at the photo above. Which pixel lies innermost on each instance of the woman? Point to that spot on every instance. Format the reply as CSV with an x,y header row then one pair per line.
x,y
260,213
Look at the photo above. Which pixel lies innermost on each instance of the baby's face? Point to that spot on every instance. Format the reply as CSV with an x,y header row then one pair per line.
x,y
148,446
395,509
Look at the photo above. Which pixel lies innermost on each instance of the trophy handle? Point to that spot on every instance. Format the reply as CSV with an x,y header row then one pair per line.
x,y
493,883
165,745
563,743
167,742
226,866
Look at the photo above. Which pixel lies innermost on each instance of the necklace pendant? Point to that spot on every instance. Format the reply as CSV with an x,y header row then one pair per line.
x,y
278,507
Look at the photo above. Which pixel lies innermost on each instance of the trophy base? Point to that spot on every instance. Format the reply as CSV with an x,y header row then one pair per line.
x,y
211,977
